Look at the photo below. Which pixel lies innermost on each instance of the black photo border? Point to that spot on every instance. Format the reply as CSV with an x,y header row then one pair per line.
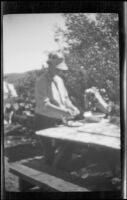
x,y
24,7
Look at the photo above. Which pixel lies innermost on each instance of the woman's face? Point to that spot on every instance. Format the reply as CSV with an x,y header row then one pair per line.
x,y
53,70
61,73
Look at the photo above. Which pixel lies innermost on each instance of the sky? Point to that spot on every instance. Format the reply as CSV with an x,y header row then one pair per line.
x,y
26,38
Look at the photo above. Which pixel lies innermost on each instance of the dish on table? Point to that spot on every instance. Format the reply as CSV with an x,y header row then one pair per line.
x,y
74,123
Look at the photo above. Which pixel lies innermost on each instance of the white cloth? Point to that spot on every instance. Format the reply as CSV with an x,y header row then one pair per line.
x,y
9,90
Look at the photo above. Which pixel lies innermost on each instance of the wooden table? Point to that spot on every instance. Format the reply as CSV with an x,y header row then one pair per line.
x,y
102,134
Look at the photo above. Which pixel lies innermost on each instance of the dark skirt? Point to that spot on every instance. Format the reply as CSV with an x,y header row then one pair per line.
x,y
43,122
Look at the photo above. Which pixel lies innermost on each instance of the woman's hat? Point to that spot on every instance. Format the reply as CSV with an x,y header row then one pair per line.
x,y
57,60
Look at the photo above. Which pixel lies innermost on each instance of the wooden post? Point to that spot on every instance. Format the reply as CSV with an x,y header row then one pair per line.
x,y
48,150
24,186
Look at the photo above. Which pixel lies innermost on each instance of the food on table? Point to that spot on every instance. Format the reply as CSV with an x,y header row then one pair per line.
x,y
74,123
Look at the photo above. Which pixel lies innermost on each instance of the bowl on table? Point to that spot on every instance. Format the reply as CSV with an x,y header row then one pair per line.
x,y
93,117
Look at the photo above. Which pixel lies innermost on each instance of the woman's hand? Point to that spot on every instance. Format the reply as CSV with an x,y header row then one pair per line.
x,y
75,111
68,113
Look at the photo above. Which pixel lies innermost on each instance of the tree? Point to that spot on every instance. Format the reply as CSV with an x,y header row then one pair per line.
x,y
93,56
26,84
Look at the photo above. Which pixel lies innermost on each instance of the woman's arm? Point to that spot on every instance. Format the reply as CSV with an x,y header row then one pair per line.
x,y
56,111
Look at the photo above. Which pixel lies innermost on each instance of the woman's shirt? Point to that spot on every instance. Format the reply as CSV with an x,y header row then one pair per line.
x,y
50,90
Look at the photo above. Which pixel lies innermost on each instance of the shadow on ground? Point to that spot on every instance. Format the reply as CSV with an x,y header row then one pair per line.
x,y
98,169
22,151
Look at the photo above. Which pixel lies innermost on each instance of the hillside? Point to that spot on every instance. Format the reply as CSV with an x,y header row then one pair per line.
x,y
24,82
13,77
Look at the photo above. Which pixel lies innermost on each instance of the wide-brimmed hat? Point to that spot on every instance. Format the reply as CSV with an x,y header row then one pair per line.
x,y
57,60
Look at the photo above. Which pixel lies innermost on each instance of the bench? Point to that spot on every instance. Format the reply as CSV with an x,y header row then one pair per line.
x,y
47,178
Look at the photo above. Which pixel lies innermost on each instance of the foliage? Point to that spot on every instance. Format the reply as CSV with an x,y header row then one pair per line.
x,y
25,83
93,56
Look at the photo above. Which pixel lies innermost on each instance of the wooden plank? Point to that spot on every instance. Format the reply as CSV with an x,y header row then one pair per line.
x,y
43,179
94,133
37,164
105,129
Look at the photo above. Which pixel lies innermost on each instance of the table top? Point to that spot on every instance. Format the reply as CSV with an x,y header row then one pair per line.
x,y
100,133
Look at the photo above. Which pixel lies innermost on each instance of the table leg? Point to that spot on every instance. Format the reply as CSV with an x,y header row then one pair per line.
x,y
48,150
64,154
24,186
58,156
